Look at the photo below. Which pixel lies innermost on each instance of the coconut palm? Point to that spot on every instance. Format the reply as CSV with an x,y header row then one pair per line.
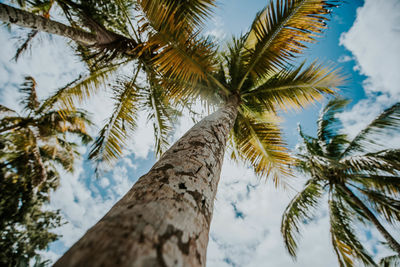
x,y
360,177
165,218
32,145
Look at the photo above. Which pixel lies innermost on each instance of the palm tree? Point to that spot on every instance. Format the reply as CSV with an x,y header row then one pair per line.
x,y
32,145
361,180
165,218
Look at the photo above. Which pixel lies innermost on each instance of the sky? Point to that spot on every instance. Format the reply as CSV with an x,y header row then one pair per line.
x,y
363,39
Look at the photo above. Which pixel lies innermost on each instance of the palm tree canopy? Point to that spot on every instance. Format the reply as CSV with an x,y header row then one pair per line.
x,y
177,60
334,162
263,84
33,144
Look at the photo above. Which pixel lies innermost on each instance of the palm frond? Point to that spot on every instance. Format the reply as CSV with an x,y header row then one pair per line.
x,y
108,146
259,143
388,207
281,31
299,210
29,101
5,111
79,90
370,164
328,123
295,88
190,14
347,247
390,261
387,184
160,114
388,120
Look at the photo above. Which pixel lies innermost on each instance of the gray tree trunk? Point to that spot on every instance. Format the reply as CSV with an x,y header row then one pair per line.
x,y
164,219
28,20
389,238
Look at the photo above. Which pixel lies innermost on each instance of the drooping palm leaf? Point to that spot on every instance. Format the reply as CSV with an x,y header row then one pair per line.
x,y
388,207
366,140
346,245
79,90
259,143
328,123
112,137
300,208
280,32
160,114
29,101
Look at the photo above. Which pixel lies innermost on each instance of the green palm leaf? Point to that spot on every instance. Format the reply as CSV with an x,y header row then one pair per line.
x,y
112,137
79,90
328,123
29,101
367,138
300,208
344,240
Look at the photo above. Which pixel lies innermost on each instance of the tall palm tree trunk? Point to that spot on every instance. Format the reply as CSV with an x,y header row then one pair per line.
x,y
26,19
389,238
164,219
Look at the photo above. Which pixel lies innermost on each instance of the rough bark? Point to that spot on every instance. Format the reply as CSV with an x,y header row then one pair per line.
x,y
164,219
28,20
389,238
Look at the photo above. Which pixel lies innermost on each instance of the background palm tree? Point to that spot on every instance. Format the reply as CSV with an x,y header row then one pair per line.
x,y
32,146
164,219
361,180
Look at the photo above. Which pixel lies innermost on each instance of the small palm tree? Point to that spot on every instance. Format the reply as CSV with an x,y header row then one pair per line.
x,y
32,145
164,219
361,180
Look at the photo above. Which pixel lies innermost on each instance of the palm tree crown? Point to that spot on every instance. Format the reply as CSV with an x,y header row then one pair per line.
x,y
360,178
32,145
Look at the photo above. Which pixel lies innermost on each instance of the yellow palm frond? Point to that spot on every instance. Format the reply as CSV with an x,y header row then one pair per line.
x,y
179,52
189,13
281,31
259,143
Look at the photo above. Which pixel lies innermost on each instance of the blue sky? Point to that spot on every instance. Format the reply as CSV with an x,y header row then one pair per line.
x,y
363,39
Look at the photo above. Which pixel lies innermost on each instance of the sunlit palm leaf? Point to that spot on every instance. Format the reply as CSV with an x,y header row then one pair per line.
x,y
259,143
300,208
295,88
189,13
367,139
281,31
109,145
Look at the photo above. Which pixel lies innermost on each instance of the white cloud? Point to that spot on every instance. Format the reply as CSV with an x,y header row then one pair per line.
x,y
374,40
344,58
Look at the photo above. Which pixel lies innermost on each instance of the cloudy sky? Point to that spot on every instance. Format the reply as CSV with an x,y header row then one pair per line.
x,y
363,38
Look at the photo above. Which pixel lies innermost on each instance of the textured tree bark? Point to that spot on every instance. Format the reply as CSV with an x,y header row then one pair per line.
x,y
389,238
164,219
29,20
